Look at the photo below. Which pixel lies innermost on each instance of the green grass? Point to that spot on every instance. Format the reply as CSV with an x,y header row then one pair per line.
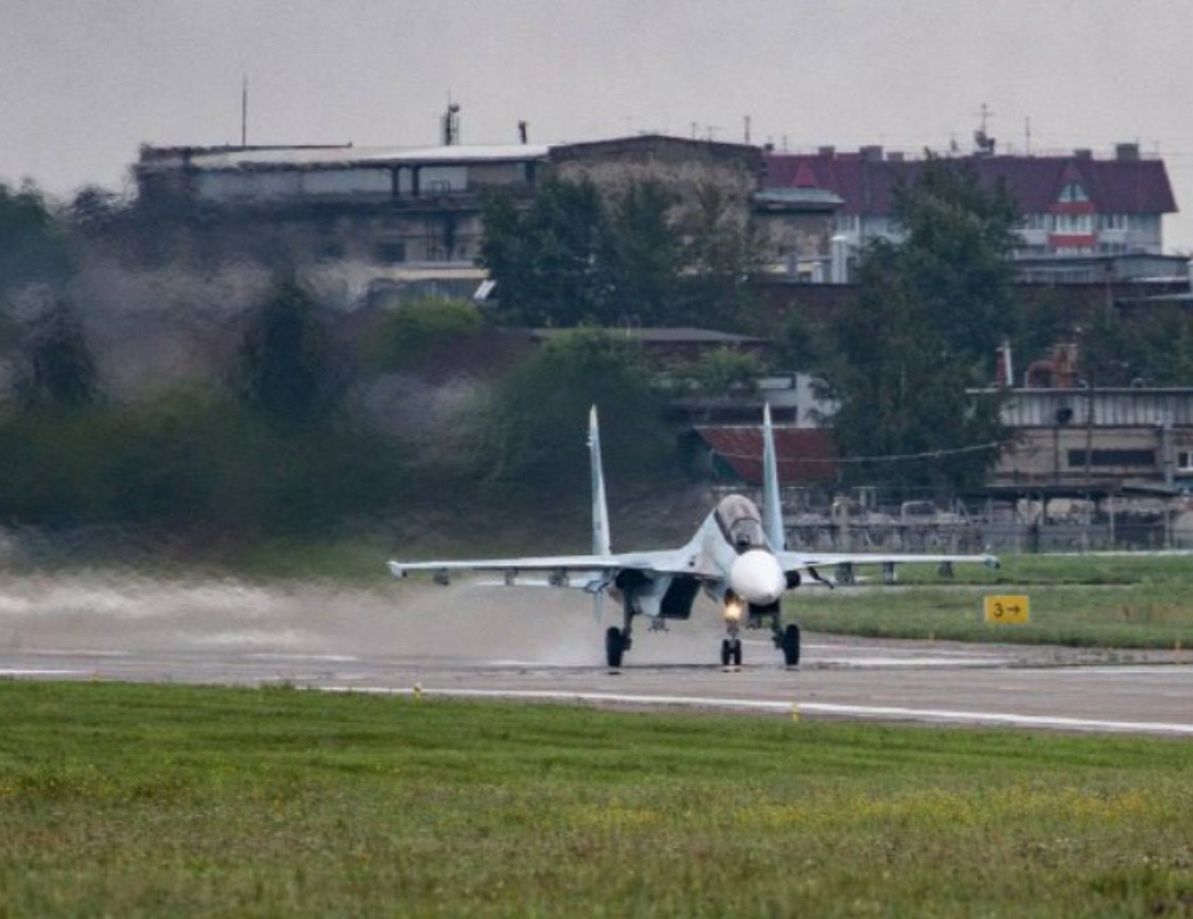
x,y
1141,602
127,800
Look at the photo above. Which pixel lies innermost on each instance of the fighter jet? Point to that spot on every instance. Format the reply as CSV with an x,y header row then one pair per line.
x,y
738,557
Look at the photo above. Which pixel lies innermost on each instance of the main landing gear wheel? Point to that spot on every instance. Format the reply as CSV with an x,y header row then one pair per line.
x,y
731,652
615,644
791,645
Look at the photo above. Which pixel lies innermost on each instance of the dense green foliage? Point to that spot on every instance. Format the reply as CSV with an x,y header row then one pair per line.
x,y
638,257
543,257
1154,347
58,370
724,372
289,369
413,334
128,800
193,460
923,327
32,244
536,420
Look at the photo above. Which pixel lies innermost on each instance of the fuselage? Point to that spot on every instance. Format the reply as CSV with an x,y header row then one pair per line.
x,y
729,558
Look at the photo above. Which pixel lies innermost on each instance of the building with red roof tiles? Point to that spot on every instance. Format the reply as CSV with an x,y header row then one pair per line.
x,y
1074,205
806,455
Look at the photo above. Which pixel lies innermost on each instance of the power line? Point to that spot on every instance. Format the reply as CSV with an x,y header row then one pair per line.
x,y
888,458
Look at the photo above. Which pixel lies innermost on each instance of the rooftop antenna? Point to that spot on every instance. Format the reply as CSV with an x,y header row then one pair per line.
x,y
694,126
244,110
1027,135
712,131
746,118
451,123
522,131
982,140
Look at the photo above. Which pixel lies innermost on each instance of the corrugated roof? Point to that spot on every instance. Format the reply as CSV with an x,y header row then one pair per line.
x,y
315,157
867,185
806,455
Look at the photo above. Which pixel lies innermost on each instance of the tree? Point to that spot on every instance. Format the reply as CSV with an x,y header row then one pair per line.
x,y
724,372
638,255
540,408
414,335
720,256
31,246
956,257
640,258
922,329
288,368
60,371
544,258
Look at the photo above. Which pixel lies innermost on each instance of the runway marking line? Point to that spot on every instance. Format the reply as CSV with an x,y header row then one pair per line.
x,y
898,713
37,671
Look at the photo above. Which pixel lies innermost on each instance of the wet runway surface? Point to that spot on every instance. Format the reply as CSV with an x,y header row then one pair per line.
x,y
471,641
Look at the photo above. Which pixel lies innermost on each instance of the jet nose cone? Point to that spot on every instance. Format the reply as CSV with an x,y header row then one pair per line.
x,y
757,578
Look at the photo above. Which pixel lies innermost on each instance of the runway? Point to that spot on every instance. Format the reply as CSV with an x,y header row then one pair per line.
x,y
514,643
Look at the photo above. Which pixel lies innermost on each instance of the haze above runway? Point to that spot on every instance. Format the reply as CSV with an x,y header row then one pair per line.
x,y
542,645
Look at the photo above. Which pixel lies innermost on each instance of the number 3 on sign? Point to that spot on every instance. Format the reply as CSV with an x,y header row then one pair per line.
x,y
1003,609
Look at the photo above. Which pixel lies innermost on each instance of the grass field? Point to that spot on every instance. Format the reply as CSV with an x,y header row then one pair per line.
x,y
126,800
1139,602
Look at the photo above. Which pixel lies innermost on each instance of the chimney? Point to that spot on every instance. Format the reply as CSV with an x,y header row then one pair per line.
x,y
1004,372
522,126
1083,153
871,154
1126,153
839,264
827,152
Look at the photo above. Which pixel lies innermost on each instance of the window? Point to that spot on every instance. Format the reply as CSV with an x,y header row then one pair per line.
x,y
1074,223
1184,461
1073,192
1146,458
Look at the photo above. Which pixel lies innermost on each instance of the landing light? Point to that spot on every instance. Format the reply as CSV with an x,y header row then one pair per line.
x,y
733,609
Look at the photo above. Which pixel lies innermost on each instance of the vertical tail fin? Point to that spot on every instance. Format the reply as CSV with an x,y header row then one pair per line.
x,y
772,511
601,544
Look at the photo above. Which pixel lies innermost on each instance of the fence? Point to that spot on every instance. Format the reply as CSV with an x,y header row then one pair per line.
x,y
869,519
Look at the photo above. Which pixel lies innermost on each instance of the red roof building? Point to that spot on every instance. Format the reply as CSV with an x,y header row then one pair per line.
x,y
806,455
1071,205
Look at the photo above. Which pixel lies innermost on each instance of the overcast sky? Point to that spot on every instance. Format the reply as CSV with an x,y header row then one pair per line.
x,y
83,82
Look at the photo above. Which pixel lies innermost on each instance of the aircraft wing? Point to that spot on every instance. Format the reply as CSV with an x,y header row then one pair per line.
x,y
664,562
802,561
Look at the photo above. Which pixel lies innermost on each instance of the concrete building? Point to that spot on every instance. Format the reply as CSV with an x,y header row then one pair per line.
x,y
386,206
404,220
1100,440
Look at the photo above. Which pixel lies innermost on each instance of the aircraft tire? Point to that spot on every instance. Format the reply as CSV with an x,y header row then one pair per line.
x,y
791,645
614,646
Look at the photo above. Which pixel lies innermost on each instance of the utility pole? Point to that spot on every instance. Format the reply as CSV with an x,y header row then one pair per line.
x,y
746,118
244,110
